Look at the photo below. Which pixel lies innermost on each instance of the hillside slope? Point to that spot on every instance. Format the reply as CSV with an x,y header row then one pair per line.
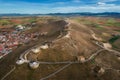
x,y
76,52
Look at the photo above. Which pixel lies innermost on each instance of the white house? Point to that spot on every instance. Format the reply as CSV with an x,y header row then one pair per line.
x,y
44,46
36,50
20,27
81,58
101,71
107,45
118,58
67,35
20,61
34,65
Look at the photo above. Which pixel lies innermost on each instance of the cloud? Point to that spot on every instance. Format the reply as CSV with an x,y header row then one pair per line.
x,y
105,4
64,9
59,7
88,8
107,0
101,3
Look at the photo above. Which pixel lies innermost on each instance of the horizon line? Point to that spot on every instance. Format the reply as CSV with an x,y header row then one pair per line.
x,y
59,13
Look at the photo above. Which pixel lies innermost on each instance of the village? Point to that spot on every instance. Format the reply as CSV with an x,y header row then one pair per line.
x,y
11,38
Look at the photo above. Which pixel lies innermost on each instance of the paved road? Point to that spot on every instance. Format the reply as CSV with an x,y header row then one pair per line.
x,y
99,44
3,78
110,50
69,63
75,62
56,72
24,57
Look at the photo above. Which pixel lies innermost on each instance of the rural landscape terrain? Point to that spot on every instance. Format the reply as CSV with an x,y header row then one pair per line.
x,y
60,48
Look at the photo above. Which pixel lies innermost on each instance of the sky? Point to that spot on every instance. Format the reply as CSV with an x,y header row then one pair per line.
x,y
58,6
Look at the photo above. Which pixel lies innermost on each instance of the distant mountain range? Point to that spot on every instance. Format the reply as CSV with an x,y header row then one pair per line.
x,y
105,14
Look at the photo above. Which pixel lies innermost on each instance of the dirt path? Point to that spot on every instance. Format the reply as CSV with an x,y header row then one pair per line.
x,y
68,64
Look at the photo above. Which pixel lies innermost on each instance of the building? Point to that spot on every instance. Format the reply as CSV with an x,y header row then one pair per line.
x,y
36,50
44,46
107,45
81,58
20,27
118,58
67,35
20,61
34,65
99,70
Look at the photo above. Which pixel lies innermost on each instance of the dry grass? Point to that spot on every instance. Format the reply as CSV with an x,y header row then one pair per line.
x,y
63,50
